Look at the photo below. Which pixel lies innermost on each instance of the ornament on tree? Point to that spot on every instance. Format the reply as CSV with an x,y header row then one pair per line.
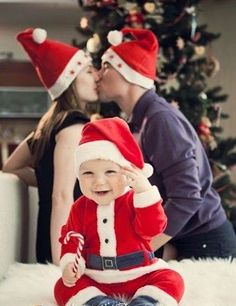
x,y
180,43
149,7
190,10
84,23
200,50
175,104
205,134
212,66
135,18
93,44
203,95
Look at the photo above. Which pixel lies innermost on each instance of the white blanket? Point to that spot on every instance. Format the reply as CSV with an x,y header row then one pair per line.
x,y
208,283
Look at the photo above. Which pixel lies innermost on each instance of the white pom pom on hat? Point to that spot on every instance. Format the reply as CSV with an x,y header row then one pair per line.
x,y
39,35
115,37
147,170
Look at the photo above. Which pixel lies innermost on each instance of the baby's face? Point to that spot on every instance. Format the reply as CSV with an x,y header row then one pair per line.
x,y
101,180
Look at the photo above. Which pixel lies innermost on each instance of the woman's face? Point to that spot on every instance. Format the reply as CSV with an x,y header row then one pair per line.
x,y
86,85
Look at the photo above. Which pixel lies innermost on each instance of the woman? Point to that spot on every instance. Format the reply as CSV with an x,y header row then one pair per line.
x,y
46,157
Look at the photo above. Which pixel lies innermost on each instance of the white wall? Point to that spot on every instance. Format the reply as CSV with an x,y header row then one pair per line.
x,y
59,18
220,16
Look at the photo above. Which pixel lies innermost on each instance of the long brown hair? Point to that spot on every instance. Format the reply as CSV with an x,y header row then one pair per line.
x,y
66,103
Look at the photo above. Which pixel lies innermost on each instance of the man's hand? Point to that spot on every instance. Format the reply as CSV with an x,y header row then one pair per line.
x,y
159,241
169,250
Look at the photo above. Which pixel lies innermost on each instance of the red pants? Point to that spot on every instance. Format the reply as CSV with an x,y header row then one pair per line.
x,y
165,285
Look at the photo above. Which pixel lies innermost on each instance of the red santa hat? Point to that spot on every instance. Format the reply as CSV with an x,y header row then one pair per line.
x,y
110,139
135,59
57,64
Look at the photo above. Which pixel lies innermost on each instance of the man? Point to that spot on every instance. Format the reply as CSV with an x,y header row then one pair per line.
x,y
197,224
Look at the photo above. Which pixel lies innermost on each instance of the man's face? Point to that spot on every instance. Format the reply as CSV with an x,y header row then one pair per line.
x,y
111,84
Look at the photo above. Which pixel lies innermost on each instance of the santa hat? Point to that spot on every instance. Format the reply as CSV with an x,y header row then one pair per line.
x,y
135,59
57,64
110,139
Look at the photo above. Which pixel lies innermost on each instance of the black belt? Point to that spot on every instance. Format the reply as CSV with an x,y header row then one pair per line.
x,y
119,262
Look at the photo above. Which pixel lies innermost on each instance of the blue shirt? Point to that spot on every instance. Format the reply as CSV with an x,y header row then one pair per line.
x,y
181,167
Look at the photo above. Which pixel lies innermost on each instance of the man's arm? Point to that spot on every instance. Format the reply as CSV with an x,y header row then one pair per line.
x,y
169,147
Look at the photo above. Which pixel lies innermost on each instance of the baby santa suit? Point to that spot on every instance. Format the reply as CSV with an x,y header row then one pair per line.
x,y
116,258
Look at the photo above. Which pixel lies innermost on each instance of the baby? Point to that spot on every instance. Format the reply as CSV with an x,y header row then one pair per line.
x,y
106,251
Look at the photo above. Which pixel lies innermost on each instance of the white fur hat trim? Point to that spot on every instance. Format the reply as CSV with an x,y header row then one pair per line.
x,y
104,149
124,69
66,78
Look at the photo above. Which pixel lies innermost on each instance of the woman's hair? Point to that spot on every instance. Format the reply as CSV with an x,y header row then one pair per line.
x,y
67,102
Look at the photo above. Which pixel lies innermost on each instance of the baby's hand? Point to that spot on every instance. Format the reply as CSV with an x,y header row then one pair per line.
x,y
69,277
136,179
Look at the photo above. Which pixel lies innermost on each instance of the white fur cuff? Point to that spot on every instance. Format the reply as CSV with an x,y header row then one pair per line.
x,y
156,293
83,296
147,198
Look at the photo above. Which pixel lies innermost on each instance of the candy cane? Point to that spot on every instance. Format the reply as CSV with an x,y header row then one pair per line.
x,y
79,248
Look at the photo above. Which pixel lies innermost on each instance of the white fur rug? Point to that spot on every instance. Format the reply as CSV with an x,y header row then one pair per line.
x,y
208,283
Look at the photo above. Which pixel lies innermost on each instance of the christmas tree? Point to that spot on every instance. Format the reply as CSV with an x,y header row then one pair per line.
x,y
184,65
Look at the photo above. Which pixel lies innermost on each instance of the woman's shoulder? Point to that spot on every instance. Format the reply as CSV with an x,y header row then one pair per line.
x,y
72,118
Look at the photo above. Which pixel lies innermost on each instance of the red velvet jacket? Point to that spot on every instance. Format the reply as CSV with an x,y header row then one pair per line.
x,y
124,226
